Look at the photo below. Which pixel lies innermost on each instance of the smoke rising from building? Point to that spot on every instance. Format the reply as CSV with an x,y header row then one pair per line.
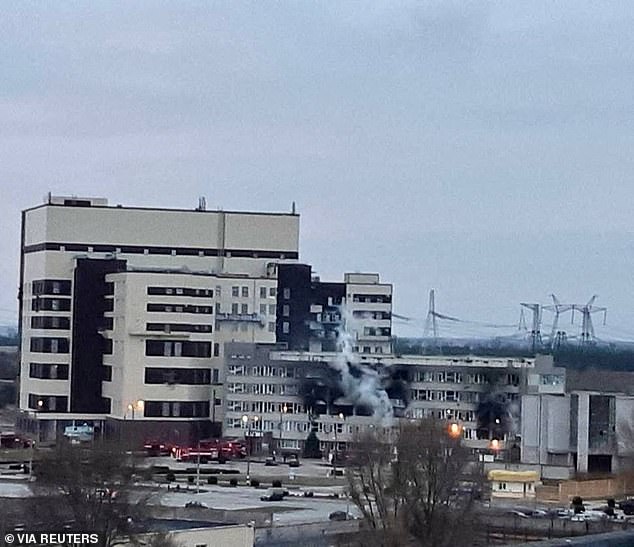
x,y
361,384
348,382
496,415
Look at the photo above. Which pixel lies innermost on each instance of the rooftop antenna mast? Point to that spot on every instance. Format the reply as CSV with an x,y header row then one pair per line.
x,y
535,335
557,308
587,328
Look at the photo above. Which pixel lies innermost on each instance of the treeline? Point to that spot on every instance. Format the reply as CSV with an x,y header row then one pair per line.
x,y
602,356
489,348
8,339
598,357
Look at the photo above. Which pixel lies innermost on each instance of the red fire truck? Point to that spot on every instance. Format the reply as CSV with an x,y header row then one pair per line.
x,y
229,448
157,448
195,454
211,449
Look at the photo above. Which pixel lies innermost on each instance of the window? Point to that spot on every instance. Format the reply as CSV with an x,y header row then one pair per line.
x,y
271,327
286,327
176,409
170,308
272,309
234,308
286,310
273,291
287,293
262,309
190,376
245,291
214,376
50,304
53,323
107,346
216,349
245,309
48,371
235,291
551,380
262,292
161,348
180,291
178,327
49,345
52,286
48,403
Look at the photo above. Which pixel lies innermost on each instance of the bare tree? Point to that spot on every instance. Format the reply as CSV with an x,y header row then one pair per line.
x,y
93,488
415,486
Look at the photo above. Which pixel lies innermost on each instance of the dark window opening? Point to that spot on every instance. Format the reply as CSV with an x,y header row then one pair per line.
x,y
53,323
176,409
190,376
49,345
48,371
52,286
50,304
162,348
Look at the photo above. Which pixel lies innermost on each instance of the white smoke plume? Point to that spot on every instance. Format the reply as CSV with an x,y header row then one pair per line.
x,y
360,389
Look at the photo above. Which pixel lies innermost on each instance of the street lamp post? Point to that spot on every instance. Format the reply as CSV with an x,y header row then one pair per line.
x,y
245,422
132,407
40,405
282,412
334,460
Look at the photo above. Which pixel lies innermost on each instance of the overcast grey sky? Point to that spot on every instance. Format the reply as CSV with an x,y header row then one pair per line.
x,y
481,148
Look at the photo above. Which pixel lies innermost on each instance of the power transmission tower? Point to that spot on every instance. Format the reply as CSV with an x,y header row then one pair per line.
x,y
535,335
521,326
587,328
430,321
557,337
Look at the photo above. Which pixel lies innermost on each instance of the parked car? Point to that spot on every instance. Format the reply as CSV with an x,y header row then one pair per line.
x,y
293,461
195,504
537,513
270,461
273,494
339,515
627,507
519,514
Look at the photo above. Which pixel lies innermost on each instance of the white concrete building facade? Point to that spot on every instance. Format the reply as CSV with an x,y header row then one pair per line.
x,y
284,394
124,311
